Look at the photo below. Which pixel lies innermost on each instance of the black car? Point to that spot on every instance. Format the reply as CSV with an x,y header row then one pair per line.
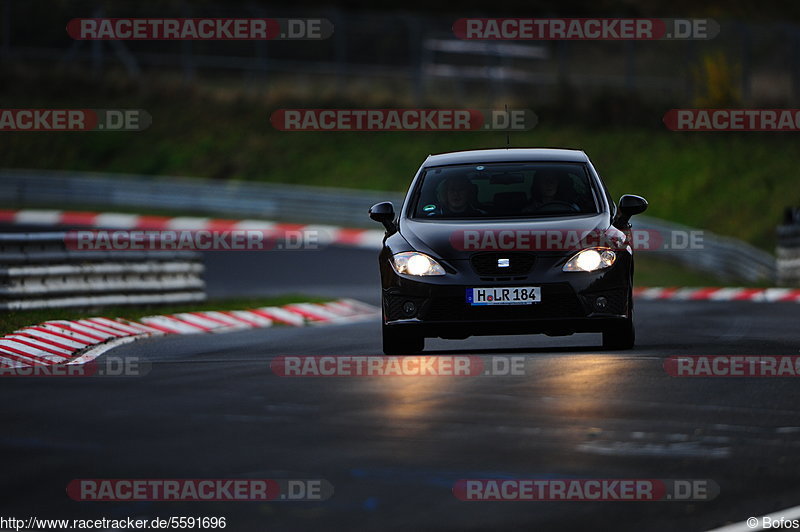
x,y
506,241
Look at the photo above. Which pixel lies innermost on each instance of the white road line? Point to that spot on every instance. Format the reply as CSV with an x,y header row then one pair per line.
x,y
788,514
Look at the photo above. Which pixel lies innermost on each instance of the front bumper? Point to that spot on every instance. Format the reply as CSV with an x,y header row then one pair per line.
x,y
570,302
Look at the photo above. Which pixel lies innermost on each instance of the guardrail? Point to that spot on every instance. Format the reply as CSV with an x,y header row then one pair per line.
x,y
725,257
38,270
231,198
788,248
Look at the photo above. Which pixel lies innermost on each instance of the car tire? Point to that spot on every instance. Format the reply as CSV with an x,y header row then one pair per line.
x,y
620,335
401,341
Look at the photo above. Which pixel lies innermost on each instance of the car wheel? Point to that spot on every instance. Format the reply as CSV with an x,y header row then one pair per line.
x,y
402,341
620,335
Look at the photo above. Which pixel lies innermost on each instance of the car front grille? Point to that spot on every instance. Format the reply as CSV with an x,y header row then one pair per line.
x,y
487,263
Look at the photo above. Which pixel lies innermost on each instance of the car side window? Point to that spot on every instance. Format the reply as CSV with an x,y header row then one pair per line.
x,y
611,204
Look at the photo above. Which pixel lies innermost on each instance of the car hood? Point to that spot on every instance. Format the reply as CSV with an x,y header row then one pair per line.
x,y
459,240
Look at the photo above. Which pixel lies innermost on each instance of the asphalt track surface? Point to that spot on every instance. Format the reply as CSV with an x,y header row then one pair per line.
x,y
393,447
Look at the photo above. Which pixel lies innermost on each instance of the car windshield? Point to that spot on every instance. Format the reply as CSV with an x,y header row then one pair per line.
x,y
507,190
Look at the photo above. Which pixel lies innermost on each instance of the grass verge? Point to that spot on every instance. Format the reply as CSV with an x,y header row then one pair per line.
x,y
651,271
732,183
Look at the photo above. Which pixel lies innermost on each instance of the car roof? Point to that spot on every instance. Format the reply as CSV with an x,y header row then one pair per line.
x,y
507,155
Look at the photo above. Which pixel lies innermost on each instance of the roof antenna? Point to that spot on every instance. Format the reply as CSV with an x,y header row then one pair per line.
x,y
508,135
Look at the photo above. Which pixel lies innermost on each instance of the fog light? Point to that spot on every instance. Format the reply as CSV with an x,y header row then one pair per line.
x,y
409,308
601,303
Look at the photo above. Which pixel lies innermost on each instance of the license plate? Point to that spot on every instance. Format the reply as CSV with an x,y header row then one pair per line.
x,y
512,295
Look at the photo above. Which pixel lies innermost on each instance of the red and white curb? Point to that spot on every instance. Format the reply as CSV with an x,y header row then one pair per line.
x,y
341,236
80,341
326,234
759,295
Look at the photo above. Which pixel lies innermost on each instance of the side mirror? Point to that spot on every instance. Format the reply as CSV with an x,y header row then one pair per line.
x,y
384,213
629,205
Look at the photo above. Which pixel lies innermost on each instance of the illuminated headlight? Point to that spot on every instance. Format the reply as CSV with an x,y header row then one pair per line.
x,y
590,260
415,263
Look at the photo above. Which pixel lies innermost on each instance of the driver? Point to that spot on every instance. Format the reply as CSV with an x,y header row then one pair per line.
x,y
458,195
546,189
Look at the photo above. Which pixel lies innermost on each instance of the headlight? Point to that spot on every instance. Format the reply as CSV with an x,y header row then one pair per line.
x,y
590,260
415,263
